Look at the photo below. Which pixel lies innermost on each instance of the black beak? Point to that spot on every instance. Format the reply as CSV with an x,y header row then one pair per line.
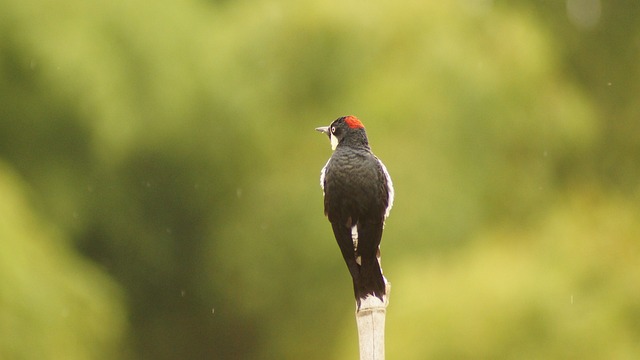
x,y
323,129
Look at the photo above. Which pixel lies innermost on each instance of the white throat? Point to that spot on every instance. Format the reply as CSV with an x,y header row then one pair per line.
x,y
334,142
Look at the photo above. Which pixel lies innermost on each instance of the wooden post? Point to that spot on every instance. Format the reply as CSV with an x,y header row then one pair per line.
x,y
370,318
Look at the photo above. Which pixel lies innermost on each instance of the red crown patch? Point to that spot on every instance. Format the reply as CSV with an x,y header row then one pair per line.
x,y
353,122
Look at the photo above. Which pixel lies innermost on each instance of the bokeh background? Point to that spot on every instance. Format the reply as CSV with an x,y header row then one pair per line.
x,y
159,194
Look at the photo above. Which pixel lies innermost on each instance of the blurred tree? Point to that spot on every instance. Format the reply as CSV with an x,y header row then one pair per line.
x,y
565,289
598,43
53,303
173,143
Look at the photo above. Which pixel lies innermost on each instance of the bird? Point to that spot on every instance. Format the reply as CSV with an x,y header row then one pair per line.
x,y
358,196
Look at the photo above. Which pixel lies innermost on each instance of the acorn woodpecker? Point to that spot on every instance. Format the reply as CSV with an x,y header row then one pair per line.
x,y
358,195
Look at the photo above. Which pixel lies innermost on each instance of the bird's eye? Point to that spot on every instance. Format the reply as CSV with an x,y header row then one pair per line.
x,y
333,129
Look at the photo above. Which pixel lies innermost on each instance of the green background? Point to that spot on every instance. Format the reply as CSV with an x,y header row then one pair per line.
x,y
159,194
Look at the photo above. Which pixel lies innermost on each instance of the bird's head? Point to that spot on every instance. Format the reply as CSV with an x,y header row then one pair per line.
x,y
347,130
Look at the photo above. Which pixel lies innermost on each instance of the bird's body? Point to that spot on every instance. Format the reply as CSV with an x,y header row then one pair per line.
x,y
358,194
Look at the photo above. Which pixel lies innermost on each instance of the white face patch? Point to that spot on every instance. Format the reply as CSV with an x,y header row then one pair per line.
x,y
334,142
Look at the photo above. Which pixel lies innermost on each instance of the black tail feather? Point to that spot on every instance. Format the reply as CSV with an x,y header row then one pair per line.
x,y
367,275
371,280
345,242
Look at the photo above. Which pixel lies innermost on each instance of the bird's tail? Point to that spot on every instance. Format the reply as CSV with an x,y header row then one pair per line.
x,y
372,282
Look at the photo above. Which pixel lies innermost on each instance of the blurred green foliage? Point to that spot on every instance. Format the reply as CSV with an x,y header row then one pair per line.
x,y
159,177
55,304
